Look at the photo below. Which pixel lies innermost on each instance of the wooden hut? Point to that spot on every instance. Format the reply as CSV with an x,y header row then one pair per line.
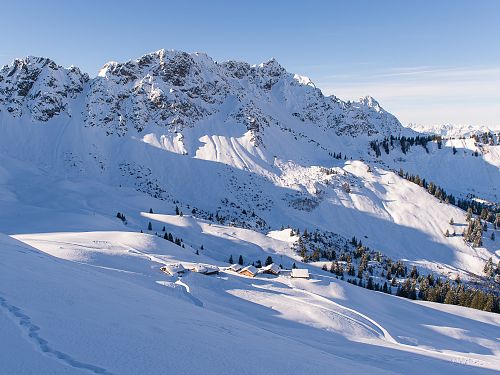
x,y
235,267
205,269
249,271
173,269
272,269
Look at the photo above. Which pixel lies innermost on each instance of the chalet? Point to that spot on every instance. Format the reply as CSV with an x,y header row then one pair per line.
x,y
205,269
250,271
300,273
173,269
272,269
235,267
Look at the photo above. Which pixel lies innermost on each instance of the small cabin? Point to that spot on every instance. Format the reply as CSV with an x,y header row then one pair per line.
x,y
272,269
249,271
173,269
300,273
205,269
235,267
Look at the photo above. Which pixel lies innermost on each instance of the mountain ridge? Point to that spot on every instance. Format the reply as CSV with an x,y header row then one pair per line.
x,y
180,89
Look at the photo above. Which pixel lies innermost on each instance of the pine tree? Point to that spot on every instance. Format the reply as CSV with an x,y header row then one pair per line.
x,y
370,283
451,221
150,226
258,264
360,272
269,261
488,267
150,210
469,214
294,265
489,305
333,269
240,260
450,297
414,273
384,288
230,261
163,230
176,210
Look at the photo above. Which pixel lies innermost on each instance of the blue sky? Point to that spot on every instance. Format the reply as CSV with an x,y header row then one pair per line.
x,y
428,62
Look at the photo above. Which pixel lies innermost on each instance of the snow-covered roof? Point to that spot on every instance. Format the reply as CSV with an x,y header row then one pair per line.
x,y
300,272
250,269
173,268
235,267
272,268
204,268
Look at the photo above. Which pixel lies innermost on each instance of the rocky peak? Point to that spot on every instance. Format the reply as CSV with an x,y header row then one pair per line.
x,y
370,102
174,89
39,87
271,68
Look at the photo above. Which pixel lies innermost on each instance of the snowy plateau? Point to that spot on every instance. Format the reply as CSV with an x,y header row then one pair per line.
x,y
119,193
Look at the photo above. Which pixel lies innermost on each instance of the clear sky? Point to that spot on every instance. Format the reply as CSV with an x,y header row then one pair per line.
x,y
428,62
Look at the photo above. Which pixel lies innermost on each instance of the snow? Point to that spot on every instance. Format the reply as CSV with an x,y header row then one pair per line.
x,y
300,273
305,325
82,291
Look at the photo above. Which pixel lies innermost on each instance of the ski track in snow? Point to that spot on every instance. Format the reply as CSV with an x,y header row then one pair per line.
x,y
33,332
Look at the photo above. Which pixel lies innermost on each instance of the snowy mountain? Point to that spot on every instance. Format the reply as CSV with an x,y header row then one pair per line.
x,y
174,90
453,131
235,160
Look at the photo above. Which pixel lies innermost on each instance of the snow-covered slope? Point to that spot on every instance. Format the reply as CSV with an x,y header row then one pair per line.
x,y
451,130
102,306
243,152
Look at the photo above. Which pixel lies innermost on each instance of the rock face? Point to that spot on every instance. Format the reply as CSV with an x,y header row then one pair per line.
x,y
175,90
40,88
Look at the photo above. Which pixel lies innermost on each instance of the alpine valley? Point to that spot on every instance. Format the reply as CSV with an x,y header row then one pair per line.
x,y
119,192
